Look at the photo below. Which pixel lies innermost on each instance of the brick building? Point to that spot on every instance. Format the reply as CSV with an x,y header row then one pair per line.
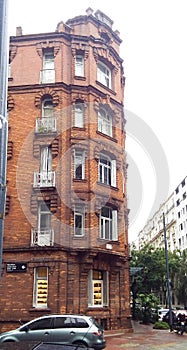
x,y
65,244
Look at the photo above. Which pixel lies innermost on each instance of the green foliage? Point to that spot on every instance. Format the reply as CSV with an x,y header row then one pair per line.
x,y
181,280
161,325
148,302
150,273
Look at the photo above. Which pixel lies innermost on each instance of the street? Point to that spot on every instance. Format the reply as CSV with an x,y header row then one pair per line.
x,y
145,338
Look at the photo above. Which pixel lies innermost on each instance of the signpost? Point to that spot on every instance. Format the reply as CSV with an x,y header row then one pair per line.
x,y
3,115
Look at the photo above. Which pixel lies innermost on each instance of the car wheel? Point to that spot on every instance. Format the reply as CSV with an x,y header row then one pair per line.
x,y
81,344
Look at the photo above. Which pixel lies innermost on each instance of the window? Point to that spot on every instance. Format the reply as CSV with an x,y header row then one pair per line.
x,y
45,323
108,224
79,164
79,65
104,122
79,115
47,74
107,170
45,159
47,108
40,294
79,221
97,288
104,74
45,233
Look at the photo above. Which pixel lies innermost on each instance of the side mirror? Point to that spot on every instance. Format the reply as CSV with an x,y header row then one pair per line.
x,y
25,329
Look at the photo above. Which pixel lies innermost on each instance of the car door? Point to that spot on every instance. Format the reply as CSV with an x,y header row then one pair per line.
x,y
63,332
39,330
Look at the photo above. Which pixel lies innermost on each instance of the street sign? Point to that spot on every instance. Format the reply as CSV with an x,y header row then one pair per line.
x,y
16,267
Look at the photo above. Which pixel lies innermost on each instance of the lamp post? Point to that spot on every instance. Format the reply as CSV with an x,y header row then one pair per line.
x,y
3,115
168,277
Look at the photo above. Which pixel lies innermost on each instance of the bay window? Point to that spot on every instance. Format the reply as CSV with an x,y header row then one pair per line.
x,y
104,74
108,224
104,122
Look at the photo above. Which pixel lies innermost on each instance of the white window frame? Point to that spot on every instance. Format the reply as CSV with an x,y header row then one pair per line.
x,y
79,213
43,211
79,115
79,65
98,290
45,159
107,170
79,163
40,288
104,122
48,72
108,224
104,75
47,108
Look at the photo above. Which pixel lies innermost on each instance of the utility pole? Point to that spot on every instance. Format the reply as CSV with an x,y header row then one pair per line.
x,y
168,277
3,115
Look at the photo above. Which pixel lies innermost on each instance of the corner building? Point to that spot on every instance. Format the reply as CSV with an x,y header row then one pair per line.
x,y
65,246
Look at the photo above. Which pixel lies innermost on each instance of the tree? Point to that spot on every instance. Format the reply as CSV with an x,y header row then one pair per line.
x,y
150,276
181,280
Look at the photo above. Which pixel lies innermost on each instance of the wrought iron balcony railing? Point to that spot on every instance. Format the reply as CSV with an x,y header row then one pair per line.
x,y
42,237
46,124
44,179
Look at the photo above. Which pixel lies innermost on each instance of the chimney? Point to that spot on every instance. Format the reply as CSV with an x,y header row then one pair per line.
x,y
89,11
19,31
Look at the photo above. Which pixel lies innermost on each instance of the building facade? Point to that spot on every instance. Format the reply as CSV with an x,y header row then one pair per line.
x,y
65,246
180,195
153,231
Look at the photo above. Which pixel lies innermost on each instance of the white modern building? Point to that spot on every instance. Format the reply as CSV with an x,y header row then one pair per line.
x,y
175,211
153,231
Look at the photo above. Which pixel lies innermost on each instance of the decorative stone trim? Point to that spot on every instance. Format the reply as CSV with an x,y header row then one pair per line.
x,y
106,55
106,104
42,93
48,45
51,198
10,103
106,147
12,53
39,142
7,206
77,47
9,150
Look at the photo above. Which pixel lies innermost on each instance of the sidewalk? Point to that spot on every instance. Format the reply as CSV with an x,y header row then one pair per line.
x,y
144,337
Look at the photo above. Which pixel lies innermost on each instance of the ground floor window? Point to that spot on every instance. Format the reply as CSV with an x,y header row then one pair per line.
x,y
40,294
97,288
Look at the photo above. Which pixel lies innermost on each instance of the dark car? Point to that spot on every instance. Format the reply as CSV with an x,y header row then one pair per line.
x,y
60,329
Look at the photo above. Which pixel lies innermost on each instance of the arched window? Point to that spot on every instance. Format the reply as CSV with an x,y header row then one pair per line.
x,y
47,107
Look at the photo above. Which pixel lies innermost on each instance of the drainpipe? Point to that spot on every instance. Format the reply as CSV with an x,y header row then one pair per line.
x,y
3,116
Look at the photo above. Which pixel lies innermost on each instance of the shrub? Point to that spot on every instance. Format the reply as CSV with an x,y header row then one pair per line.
x,y
161,325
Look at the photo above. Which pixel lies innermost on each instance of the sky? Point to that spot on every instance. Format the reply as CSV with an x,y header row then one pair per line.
x,y
154,51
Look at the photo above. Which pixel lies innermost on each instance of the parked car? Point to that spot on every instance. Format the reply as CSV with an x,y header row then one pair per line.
x,y
60,329
162,313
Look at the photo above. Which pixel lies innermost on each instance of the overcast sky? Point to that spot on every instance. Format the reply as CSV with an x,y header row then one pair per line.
x,y
154,51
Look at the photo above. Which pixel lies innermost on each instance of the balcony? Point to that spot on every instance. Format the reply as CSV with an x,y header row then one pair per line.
x,y
44,179
46,124
47,76
42,237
